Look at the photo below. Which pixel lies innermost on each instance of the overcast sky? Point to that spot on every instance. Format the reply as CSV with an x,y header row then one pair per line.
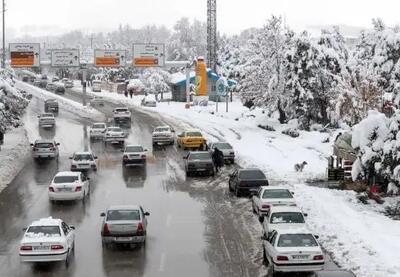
x,y
55,16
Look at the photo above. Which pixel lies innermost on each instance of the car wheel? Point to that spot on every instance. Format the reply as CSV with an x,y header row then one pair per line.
x,y
230,188
261,218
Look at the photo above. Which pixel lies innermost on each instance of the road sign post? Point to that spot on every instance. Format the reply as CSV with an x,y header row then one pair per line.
x,y
109,58
65,58
25,54
148,55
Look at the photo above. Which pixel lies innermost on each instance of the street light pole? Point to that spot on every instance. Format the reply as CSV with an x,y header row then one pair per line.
x,y
3,61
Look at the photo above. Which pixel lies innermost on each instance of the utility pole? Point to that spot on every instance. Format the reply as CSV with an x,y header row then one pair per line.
x,y
3,60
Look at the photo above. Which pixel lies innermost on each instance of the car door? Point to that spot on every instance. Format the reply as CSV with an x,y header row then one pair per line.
x,y
69,234
232,178
269,246
257,199
144,219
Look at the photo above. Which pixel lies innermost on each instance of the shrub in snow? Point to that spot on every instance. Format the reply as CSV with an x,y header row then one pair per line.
x,y
266,127
291,132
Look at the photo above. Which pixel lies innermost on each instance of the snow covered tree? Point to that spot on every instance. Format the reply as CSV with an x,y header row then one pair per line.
x,y
156,81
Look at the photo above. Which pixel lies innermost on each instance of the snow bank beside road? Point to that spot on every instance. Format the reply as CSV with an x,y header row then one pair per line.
x,y
13,155
66,104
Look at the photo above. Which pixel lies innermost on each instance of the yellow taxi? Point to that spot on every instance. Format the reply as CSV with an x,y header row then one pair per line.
x,y
190,139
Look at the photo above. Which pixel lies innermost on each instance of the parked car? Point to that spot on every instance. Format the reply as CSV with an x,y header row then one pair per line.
x,y
51,87
190,139
292,250
55,79
83,161
163,135
199,162
148,102
51,105
98,130
114,135
96,86
69,83
226,149
69,185
47,120
333,273
244,181
134,155
121,115
37,83
97,101
124,224
269,196
60,89
283,217
47,240
42,149
25,79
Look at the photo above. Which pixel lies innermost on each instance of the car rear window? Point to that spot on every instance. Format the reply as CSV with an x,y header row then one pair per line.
x,y
121,110
115,129
223,145
297,240
277,193
114,215
193,134
134,149
44,145
43,231
80,157
65,179
199,156
287,217
164,129
251,175
98,126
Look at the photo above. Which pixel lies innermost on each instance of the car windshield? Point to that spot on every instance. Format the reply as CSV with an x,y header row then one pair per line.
x,y
287,217
80,157
115,129
223,145
65,179
123,215
200,156
121,110
47,115
134,149
297,240
98,126
44,145
162,129
252,175
43,231
193,134
277,193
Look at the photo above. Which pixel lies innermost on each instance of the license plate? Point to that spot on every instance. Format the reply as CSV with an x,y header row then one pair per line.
x,y
64,189
41,247
84,165
124,239
300,257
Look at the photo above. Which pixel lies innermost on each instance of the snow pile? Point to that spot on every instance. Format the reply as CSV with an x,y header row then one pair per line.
x,y
358,239
69,105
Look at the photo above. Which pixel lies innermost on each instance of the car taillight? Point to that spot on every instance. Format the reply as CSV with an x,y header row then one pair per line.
x,y
57,247
140,229
143,156
73,166
282,258
51,189
125,157
265,206
105,230
243,184
318,257
52,149
26,248
78,188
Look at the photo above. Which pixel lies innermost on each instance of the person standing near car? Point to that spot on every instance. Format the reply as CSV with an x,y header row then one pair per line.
x,y
218,158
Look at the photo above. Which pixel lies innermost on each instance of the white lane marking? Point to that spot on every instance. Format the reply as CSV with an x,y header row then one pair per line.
x,y
168,220
162,262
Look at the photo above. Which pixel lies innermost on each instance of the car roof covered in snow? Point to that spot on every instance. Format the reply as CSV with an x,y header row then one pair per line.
x,y
49,221
83,153
285,209
123,207
273,187
300,230
68,173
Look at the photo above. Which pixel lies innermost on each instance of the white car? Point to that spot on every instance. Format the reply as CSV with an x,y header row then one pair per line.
x,y
97,101
149,102
47,120
121,115
83,161
225,148
47,240
268,196
51,87
98,130
114,135
283,217
45,149
134,155
69,185
292,250
163,135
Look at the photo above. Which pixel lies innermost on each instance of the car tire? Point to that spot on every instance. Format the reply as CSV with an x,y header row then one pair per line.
x,y
232,161
229,186
237,192
261,218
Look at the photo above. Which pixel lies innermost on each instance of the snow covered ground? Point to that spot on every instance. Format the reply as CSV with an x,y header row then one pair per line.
x,y
359,237
13,155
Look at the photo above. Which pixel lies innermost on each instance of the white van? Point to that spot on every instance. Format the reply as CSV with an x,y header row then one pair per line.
x,y
96,86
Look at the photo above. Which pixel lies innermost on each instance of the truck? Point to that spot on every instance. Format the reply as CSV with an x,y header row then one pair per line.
x,y
51,105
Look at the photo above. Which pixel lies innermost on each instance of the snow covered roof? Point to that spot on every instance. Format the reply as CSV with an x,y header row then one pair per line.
x,y
83,153
49,221
179,78
284,209
124,207
68,173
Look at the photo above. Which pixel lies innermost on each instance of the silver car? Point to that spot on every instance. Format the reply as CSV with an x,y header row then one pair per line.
x,y
124,225
225,148
45,149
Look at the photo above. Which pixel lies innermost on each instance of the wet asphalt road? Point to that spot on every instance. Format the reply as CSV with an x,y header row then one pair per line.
x,y
196,228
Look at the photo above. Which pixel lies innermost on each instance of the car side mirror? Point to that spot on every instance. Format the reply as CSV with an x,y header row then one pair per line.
x,y
24,229
316,236
103,214
264,237
305,214
146,213
58,144
72,227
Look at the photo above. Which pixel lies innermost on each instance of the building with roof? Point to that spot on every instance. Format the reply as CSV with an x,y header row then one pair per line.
x,y
178,85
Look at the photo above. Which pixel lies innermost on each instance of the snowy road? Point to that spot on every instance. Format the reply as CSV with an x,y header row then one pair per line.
x,y
196,228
